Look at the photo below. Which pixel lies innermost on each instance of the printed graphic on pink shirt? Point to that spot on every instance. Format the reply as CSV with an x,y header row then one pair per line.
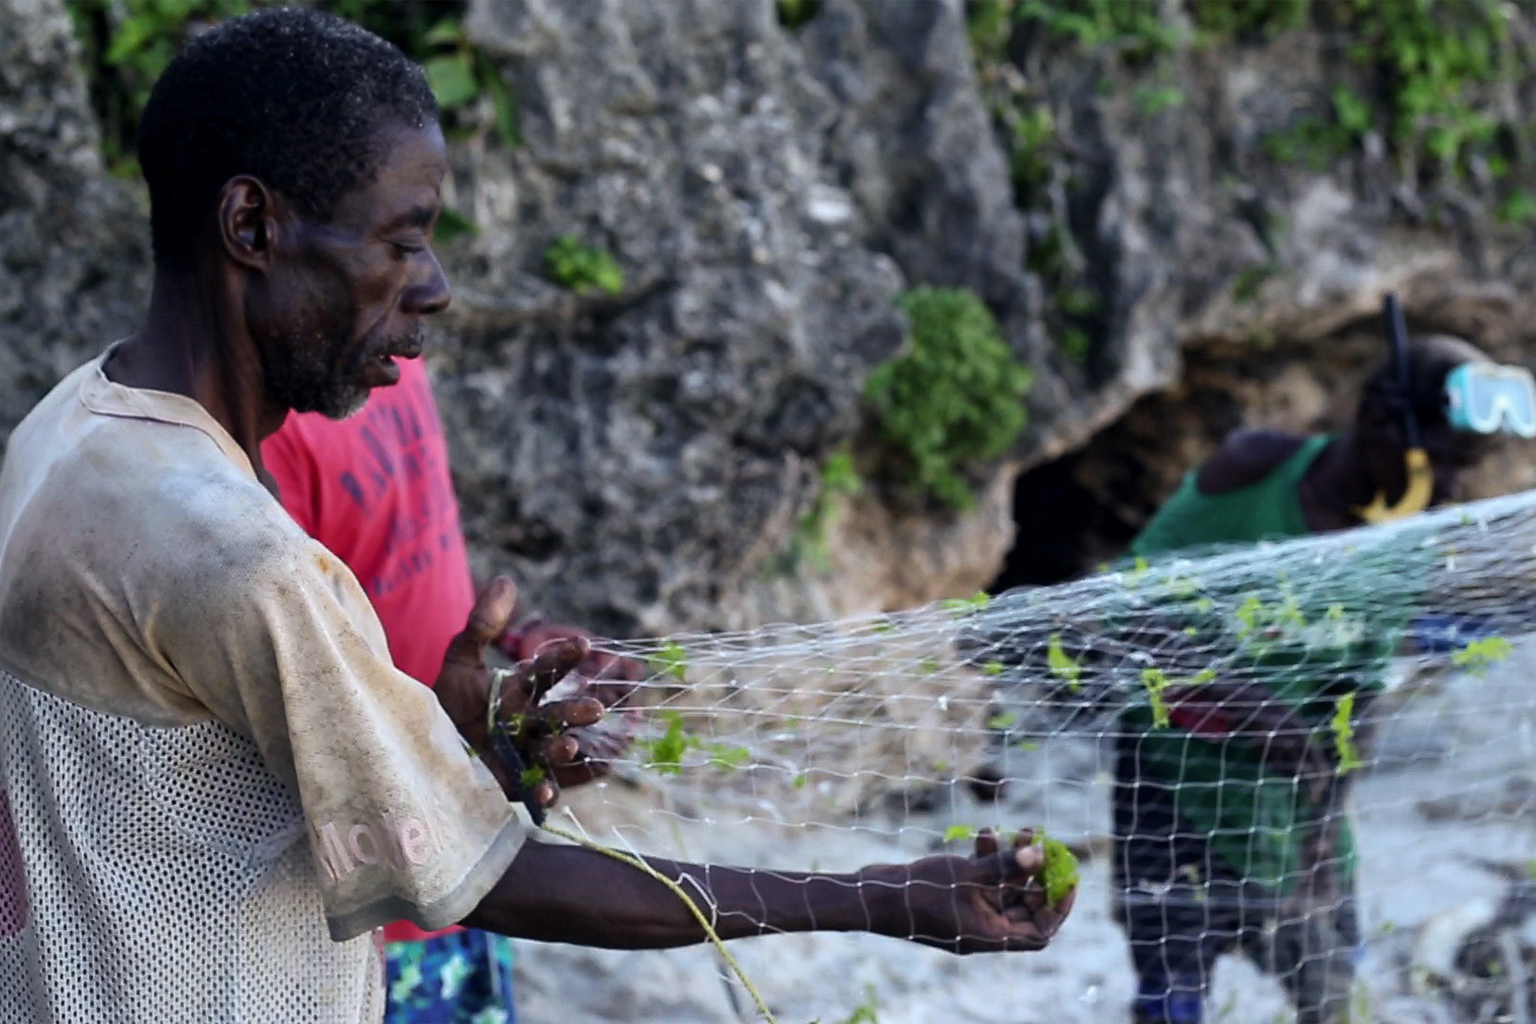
x,y
401,463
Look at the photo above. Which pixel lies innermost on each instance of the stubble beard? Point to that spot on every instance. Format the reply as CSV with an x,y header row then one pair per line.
x,y
312,372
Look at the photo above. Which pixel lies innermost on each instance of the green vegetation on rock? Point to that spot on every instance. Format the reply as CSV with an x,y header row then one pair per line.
x,y
838,480
126,44
953,400
582,268
1436,87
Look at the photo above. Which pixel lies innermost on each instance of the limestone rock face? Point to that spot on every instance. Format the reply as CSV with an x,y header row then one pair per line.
x,y
638,459
74,251
642,461
1250,289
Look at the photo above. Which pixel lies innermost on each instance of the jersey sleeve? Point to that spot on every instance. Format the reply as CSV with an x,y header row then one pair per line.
x,y
404,821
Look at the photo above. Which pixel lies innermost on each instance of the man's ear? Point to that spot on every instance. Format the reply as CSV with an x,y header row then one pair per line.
x,y
247,222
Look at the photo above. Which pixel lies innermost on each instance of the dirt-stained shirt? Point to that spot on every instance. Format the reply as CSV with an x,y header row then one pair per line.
x,y
213,782
375,490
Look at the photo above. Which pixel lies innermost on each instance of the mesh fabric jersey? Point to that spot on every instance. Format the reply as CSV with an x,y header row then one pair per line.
x,y
215,782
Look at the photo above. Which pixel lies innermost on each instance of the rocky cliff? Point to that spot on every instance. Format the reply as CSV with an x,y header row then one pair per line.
x,y
642,460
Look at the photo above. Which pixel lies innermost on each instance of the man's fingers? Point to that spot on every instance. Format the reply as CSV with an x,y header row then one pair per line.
x,y
526,683
555,717
487,621
579,773
1029,860
551,663
571,713
558,750
1034,918
545,792
611,692
600,744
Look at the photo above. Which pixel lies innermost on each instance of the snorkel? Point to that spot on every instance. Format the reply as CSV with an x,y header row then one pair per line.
x,y
1420,475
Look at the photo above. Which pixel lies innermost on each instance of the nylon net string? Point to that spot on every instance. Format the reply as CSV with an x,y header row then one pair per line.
x,y
1251,746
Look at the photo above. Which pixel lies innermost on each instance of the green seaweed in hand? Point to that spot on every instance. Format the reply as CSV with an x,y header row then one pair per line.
x,y
1059,873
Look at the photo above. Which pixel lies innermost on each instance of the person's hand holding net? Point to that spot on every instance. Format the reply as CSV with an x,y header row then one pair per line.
x,y
502,713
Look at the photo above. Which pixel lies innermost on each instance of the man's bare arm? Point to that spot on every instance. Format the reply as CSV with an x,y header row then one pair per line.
x,y
988,902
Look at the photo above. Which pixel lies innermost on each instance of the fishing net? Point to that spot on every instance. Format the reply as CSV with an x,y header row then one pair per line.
x,y
1203,728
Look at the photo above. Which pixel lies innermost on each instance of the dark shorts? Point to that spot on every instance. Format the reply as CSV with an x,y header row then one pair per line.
x,y
460,978
1182,907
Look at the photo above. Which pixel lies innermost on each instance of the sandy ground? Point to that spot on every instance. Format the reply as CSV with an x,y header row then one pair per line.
x,y
1452,785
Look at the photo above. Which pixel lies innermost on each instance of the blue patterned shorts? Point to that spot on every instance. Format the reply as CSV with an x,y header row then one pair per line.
x,y
461,978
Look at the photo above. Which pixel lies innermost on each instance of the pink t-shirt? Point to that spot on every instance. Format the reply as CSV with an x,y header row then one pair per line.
x,y
375,490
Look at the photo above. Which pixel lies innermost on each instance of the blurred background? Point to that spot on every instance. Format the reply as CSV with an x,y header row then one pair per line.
x,y
811,308
804,308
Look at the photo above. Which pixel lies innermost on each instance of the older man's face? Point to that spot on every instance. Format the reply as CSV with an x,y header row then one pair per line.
x,y
345,298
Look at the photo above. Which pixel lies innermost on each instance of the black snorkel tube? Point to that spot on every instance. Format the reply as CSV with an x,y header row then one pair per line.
x,y
1420,475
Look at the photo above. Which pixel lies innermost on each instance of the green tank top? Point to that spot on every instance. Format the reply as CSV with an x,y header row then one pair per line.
x,y
1267,509
1226,789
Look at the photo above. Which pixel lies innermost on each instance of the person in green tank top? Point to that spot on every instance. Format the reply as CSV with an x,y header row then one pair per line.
x,y
1219,845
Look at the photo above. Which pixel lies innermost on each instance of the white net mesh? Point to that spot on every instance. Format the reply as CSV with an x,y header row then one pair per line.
x,y
1202,730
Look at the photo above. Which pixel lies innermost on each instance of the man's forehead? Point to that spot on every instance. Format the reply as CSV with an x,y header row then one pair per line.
x,y
406,187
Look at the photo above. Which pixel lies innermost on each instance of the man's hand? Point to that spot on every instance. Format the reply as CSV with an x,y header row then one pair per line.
x,y
989,902
597,747
610,677
538,732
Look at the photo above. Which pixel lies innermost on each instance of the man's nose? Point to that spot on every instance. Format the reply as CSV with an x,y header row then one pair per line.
x,y
431,293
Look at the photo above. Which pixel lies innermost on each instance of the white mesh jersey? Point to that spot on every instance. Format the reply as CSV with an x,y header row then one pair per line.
x,y
213,784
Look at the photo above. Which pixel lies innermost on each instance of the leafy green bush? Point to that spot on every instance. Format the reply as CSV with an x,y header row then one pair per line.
x,y
1436,61
582,268
954,398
